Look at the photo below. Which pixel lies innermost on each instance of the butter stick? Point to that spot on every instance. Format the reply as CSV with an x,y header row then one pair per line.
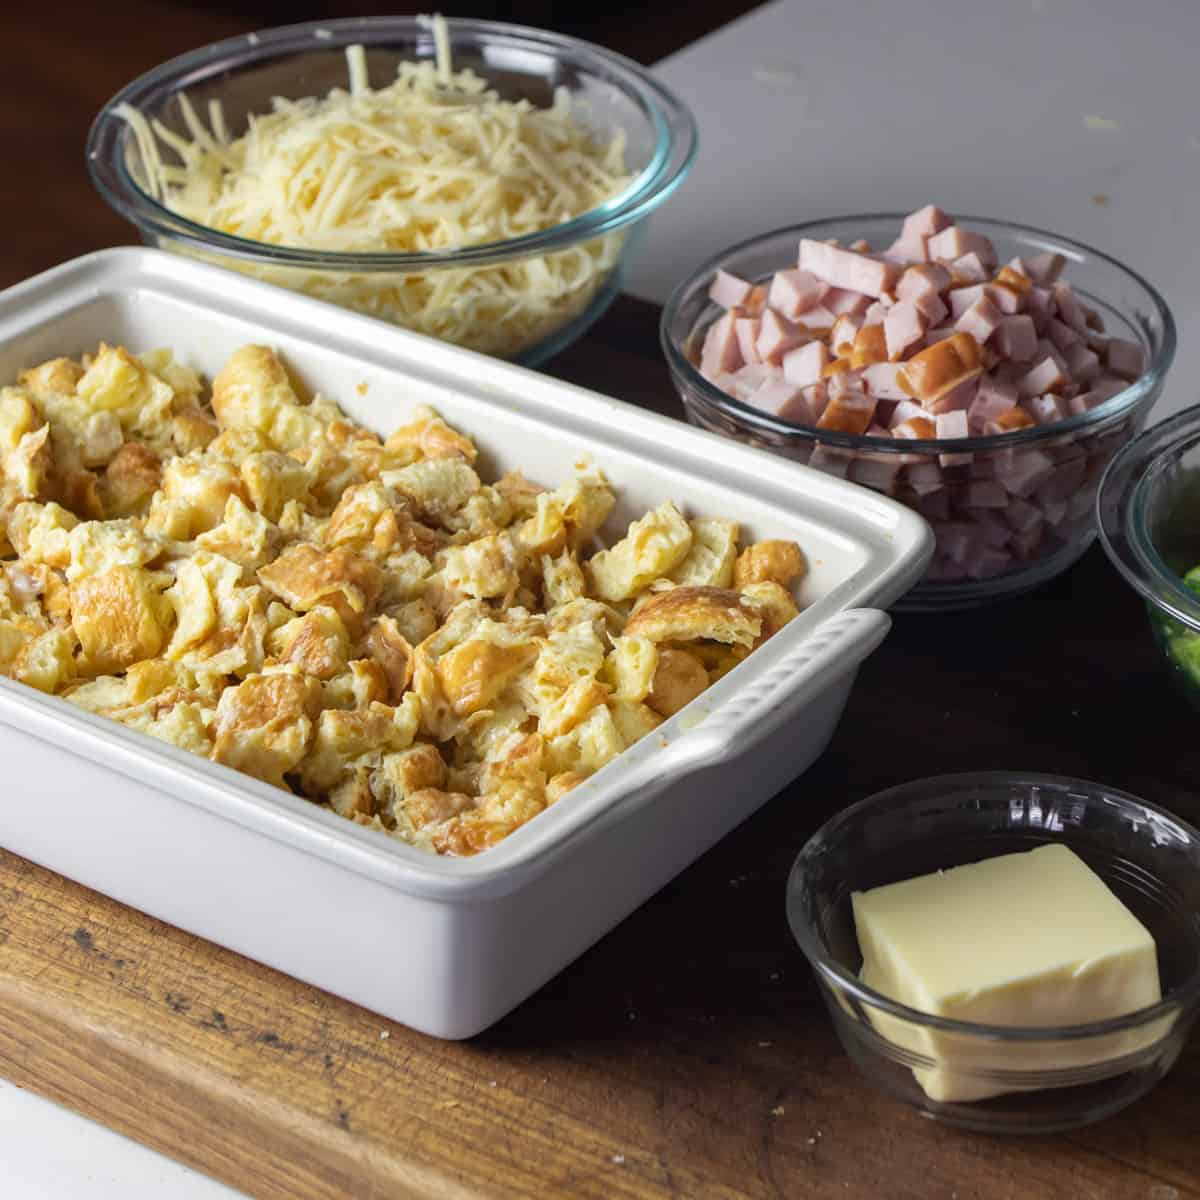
x,y
1028,939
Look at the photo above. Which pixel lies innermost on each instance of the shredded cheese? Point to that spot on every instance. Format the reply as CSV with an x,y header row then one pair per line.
x,y
434,161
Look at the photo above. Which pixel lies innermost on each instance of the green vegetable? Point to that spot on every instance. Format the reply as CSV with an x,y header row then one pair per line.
x,y
1182,643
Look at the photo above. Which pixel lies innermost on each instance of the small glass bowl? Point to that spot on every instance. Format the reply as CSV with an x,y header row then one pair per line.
x,y
1149,515
1080,446
1052,1078
609,92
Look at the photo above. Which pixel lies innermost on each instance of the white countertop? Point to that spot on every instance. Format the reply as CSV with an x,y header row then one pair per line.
x,y
1074,115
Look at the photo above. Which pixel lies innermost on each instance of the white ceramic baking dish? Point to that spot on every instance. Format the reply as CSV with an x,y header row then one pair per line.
x,y
445,945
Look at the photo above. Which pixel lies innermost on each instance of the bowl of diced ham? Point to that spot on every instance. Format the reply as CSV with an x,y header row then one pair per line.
x,y
980,372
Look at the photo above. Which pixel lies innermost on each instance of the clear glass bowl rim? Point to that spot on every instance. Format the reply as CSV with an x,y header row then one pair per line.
x,y
1147,385
674,153
1121,515
836,976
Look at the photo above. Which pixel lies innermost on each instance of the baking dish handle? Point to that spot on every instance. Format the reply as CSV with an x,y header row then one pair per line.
x,y
834,648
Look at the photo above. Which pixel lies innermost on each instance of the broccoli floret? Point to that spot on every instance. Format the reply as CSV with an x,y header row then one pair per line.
x,y
1192,580
1185,650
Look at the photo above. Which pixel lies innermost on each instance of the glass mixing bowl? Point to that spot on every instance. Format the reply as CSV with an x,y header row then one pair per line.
x,y
1051,1078
1080,446
608,92
1149,515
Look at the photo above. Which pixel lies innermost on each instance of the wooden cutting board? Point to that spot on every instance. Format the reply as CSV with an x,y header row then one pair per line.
x,y
688,1054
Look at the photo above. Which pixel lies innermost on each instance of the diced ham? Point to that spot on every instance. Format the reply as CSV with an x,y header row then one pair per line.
x,y
953,425
961,396
1047,349
1047,409
883,413
986,493
953,242
783,400
919,282
1022,515
992,398
1063,482
870,346
1101,390
1045,376
745,381
1055,511
942,570
906,410
831,460
882,379
776,336
932,336
1027,544
1016,338
840,378
924,478
1024,471
877,471
1007,422
981,320
842,302
747,329
818,318
933,310
848,412
934,506
729,291
903,328
962,298
986,561
1005,299
915,428
1062,335
1068,307
793,292
929,340
721,349
907,250
925,222
1083,363
847,269
841,336
805,364
1041,307
860,246
1044,269
942,367
1124,359
993,529
969,269
817,396
956,539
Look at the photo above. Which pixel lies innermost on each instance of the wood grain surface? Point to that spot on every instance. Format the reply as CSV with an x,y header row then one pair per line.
x,y
688,1053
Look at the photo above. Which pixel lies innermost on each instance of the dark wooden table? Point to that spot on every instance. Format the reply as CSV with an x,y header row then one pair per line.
x,y
688,1054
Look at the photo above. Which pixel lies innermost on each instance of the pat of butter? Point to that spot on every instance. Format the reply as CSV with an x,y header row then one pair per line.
x,y
1030,939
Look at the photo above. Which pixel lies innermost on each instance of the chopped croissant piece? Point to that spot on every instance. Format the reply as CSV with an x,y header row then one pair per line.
x,y
678,679
686,613
775,560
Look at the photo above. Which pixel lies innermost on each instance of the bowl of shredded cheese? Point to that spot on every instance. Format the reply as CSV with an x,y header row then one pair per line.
x,y
474,181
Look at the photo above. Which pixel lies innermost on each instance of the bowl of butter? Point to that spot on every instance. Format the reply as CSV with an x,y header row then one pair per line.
x,y
1006,952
